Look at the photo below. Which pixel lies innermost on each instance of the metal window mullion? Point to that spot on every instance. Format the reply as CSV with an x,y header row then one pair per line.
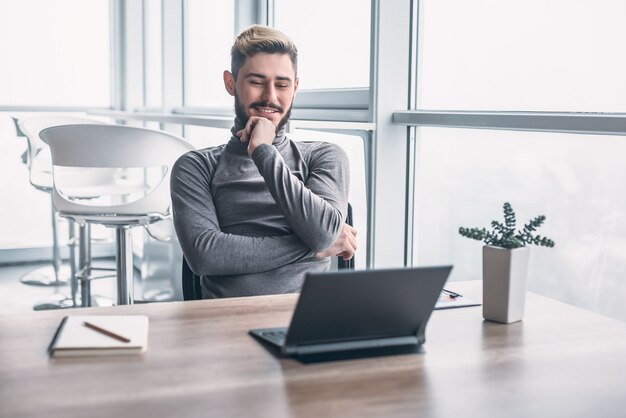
x,y
144,36
339,98
561,122
389,82
269,18
117,49
85,108
250,12
411,132
172,57
130,53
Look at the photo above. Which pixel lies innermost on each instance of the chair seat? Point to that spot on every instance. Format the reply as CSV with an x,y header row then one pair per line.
x,y
108,189
41,178
113,220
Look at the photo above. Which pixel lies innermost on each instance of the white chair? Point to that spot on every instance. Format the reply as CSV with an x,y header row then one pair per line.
x,y
20,134
40,176
114,147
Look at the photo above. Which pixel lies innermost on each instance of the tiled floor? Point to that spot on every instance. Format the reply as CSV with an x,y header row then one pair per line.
x,y
16,297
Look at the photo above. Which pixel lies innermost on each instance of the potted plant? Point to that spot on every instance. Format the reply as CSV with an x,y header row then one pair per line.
x,y
505,264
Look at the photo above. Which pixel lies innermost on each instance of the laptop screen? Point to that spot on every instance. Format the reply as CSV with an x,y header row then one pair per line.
x,y
370,304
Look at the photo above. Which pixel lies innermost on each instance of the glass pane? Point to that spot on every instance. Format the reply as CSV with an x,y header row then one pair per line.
x,y
55,53
464,176
333,40
25,217
204,137
353,146
209,35
153,50
560,55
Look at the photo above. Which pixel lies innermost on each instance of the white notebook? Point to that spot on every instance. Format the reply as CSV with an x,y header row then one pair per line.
x,y
100,335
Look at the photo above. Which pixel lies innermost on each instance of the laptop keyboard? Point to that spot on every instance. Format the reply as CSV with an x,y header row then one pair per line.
x,y
276,336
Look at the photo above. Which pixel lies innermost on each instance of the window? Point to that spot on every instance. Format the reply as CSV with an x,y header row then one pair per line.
x,y
45,63
561,55
463,176
25,216
333,40
203,137
209,35
153,54
353,146
558,56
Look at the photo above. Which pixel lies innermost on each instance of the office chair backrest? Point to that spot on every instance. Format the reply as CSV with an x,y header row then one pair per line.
x,y
338,263
191,281
114,146
32,126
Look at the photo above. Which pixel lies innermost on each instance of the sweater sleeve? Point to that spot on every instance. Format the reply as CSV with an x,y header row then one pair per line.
x,y
208,250
316,208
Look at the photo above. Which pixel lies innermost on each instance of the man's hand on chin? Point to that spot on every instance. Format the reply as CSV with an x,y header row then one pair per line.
x,y
258,131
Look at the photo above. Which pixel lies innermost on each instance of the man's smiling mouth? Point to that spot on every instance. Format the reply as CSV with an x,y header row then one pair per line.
x,y
266,110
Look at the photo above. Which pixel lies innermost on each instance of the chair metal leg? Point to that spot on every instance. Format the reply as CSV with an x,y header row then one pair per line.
x,y
47,276
84,233
72,261
56,252
85,293
56,301
60,300
124,263
54,275
86,270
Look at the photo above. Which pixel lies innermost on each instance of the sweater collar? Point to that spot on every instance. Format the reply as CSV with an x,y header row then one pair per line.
x,y
235,144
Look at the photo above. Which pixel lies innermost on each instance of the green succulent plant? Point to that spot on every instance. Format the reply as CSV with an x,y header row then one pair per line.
x,y
505,235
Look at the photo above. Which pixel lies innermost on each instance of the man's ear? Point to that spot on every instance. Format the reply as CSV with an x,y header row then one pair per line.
x,y
229,82
295,86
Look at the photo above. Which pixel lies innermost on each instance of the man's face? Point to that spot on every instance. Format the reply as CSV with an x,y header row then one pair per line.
x,y
266,86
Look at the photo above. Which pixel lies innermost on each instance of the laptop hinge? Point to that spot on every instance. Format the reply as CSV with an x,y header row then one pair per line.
x,y
350,345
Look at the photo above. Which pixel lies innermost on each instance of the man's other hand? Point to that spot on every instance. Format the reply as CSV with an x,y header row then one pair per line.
x,y
257,131
344,247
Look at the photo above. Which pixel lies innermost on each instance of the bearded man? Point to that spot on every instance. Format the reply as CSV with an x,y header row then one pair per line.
x,y
254,215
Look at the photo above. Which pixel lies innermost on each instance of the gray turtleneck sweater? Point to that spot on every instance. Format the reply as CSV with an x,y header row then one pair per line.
x,y
251,226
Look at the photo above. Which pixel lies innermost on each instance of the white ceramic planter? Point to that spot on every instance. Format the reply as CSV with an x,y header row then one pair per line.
x,y
505,274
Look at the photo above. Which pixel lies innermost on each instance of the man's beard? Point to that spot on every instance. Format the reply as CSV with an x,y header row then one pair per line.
x,y
243,117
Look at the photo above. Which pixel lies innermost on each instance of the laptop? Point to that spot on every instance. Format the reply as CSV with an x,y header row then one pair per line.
x,y
358,310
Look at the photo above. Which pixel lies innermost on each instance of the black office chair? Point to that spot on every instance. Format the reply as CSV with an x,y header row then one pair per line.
x,y
191,281
338,263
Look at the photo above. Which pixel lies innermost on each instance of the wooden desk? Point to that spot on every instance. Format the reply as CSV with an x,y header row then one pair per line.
x,y
559,362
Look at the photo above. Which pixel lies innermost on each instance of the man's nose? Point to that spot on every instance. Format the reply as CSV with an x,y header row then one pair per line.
x,y
269,93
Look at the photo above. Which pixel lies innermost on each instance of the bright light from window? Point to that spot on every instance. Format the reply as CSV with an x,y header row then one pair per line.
x,y
333,40
208,38
55,53
535,55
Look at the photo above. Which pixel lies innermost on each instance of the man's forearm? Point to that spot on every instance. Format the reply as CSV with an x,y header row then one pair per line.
x,y
315,209
208,250
215,253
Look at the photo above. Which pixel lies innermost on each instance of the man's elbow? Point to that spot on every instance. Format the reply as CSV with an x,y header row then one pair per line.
x,y
324,240
196,265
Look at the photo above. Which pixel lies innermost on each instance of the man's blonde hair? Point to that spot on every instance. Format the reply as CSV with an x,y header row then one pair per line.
x,y
257,39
